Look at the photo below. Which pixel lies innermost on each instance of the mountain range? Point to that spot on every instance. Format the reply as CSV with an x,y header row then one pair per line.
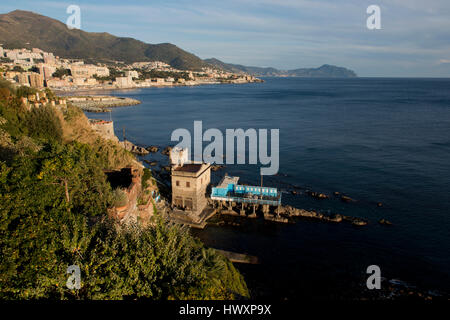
x,y
25,29
326,70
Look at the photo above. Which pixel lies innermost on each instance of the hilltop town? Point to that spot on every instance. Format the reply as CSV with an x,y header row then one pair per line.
x,y
38,69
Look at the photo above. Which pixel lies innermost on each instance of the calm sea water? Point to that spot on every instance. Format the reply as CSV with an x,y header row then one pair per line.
x,y
375,140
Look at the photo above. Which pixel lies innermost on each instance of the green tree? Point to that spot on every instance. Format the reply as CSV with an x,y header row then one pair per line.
x,y
23,91
53,205
61,72
78,172
18,69
43,124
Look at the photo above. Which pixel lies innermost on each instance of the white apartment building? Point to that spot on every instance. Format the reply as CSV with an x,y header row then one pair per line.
x,y
88,71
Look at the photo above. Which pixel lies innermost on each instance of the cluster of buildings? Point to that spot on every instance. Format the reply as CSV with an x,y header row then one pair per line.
x,y
40,99
36,68
192,203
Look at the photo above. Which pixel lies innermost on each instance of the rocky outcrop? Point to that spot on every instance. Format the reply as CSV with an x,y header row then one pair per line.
x,y
317,195
276,218
166,151
101,103
347,199
296,212
151,163
385,222
129,146
152,149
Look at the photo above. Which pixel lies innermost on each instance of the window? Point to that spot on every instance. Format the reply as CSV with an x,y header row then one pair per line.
x,y
188,184
178,183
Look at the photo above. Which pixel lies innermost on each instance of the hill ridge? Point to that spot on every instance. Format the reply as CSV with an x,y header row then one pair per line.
x,y
20,29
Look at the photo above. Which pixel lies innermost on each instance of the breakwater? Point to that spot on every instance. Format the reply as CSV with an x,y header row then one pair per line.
x,y
101,103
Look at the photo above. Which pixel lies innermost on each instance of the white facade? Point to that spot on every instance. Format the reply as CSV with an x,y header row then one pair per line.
x,y
132,73
179,156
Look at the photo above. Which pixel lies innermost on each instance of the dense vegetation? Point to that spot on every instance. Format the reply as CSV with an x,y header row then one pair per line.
x,y
61,72
18,69
54,196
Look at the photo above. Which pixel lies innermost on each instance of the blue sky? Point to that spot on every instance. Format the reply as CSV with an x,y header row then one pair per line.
x,y
285,34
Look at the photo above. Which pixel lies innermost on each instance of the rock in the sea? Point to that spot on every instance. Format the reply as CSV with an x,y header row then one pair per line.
x,y
152,163
359,222
129,146
152,149
355,221
166,151
336,218
296,212
385,222
347,199
317,195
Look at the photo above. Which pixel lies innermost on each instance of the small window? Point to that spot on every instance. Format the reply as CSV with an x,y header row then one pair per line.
x,y
178,183
188,184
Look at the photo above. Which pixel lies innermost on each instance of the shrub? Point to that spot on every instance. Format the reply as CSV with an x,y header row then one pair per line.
x,y
119,198
25,91
44,124
145,177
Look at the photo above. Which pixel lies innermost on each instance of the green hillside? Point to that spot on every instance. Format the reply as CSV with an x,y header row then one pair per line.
x,y
19,29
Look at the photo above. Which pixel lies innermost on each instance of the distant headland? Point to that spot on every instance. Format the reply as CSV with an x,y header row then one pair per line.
x,y
324,71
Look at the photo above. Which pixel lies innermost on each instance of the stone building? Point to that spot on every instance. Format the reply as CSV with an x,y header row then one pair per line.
x,y
124,82
36,80
23,79
189,183
104,128
88,71
132,74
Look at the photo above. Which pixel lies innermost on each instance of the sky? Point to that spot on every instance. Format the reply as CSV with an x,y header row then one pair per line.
x,y
414,39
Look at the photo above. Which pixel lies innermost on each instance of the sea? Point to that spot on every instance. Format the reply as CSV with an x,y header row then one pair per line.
x,y
384,142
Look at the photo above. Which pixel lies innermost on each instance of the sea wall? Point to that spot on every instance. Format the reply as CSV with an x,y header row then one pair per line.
x,y
101,103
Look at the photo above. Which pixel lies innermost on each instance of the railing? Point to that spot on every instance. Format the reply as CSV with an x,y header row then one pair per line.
x,y
248,198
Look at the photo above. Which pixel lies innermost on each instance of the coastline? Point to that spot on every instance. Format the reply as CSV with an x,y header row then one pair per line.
x,y
64,91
